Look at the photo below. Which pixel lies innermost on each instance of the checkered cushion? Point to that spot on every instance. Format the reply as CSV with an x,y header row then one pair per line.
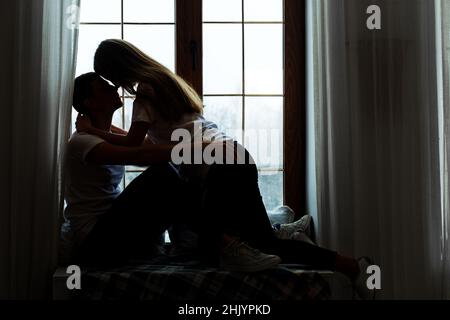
x,y
188,283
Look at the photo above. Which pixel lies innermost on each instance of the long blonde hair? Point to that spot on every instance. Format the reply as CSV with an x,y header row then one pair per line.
x,y
124,64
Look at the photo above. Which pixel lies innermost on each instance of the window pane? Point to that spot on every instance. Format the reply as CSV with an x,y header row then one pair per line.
x,y
122,183
264,130
226,112
263,10
271,187
135,168
100,11
222,55
263,59
158,41
74,118
222,10
162,11
90,37
130,176
128,109
118,118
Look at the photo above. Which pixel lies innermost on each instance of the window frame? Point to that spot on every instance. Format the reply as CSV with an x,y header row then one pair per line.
x,y
189,65
295,97
294,112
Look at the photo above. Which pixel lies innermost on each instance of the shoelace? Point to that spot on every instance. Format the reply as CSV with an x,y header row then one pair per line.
x,y
250,248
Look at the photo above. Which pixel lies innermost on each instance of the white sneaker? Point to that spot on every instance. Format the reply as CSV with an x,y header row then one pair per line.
x,y
285,231
301,236
240,257
283,214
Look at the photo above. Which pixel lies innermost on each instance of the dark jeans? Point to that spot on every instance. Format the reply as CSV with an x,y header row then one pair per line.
x,y
138,217
233,205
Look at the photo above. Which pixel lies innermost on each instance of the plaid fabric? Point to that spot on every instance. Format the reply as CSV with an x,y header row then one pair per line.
x,y
189,283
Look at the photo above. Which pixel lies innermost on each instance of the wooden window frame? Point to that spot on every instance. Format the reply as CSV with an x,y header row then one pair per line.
x,y
189,65
189,40
189,31
295,105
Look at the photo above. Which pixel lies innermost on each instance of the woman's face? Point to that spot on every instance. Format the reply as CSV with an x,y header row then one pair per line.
x,y
111,78
113,74
116,80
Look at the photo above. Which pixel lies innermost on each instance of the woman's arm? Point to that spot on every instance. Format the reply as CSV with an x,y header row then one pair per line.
x,y
109,154
118,130
133,138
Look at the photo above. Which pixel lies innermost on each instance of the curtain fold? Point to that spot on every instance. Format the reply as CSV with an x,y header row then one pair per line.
x,y
377,139
443,28
38,67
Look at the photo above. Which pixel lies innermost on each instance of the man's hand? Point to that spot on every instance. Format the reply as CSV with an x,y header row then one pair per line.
x,y
83,123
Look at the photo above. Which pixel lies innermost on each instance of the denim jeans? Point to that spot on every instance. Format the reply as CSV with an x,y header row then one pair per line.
x,y
233,204
134,225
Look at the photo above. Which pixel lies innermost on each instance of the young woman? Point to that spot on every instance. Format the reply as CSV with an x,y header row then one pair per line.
x,y
232,203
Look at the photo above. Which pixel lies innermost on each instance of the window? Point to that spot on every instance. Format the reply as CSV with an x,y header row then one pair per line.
x,y
233,53
243,81
149,24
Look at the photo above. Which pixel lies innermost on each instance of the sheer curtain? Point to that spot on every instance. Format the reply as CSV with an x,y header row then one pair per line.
x,y
376,126
38,65
443,28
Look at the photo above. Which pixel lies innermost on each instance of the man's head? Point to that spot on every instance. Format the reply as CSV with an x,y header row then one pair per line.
x,y
94,95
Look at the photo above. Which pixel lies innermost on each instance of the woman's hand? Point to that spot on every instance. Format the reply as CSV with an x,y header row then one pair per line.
x,y
118,130
83,124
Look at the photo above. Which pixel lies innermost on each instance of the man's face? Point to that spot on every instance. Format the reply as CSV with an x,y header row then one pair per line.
x,y
104,96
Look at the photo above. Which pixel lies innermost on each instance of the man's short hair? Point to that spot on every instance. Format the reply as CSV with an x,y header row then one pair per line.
x,y
83,90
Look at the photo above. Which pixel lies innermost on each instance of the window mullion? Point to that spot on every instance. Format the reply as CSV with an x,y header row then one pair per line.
x,y
243,73
189,42
295,105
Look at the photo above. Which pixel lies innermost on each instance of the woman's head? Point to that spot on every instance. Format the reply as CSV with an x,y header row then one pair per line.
x,y
124,64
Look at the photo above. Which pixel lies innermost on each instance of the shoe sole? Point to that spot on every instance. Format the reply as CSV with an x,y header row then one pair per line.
x,y
263,265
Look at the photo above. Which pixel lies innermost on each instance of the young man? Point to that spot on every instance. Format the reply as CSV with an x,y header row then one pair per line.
x,y
104,225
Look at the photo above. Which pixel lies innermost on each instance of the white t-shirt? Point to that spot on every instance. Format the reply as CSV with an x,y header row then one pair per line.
x,y
89,191
161,130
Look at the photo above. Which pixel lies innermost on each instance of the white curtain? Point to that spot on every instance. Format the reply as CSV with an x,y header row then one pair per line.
x,y
38,66
443,23
374,97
